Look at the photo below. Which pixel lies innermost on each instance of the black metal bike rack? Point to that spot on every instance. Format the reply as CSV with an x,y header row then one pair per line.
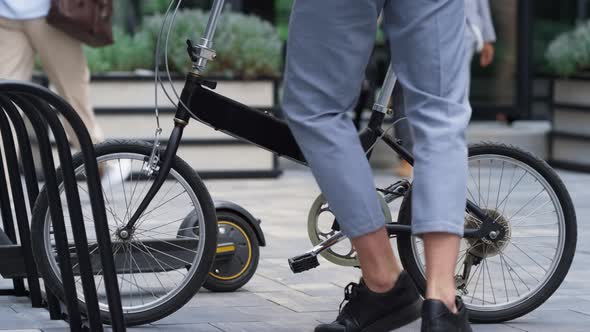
x,y
42,107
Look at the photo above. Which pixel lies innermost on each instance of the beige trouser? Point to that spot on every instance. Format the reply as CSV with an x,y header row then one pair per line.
x,y
62,58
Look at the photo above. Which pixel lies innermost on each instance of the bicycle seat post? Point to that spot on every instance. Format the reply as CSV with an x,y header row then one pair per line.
x,y
382,103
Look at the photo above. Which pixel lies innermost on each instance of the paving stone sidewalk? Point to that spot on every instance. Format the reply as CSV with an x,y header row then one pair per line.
x,y
277,300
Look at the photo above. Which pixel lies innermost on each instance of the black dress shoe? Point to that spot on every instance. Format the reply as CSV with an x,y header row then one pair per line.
x,y
436,317
367,311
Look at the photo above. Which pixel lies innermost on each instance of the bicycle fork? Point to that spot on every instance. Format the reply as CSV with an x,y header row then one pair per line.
x,y
162,167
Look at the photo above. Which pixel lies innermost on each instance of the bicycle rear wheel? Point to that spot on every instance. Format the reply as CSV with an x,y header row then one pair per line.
x,y
159,268
512,272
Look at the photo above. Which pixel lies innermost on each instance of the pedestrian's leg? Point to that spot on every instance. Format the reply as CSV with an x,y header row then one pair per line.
x,y
428,56
65,64
16,55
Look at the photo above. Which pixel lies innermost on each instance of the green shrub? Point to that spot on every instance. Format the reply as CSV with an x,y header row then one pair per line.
x,y
128,53
246,46
569,53
545,31
154,7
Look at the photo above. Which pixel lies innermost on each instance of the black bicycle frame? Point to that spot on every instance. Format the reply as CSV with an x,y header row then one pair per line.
x,y
270,133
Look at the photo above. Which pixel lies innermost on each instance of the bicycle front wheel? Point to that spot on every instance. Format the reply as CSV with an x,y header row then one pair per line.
x,y
164,261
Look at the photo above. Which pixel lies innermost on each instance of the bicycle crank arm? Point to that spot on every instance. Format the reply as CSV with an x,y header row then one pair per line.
x,y
309,260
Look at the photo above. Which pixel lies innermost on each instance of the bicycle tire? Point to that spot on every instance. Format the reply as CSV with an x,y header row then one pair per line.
x,y
52,280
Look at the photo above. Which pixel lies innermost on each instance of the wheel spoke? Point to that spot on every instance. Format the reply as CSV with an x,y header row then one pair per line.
x,y
489,184
476,283
471,194
490,278
527,203
196,237
173,244
533,216
166,254
476,187
127,215
535,251
529,215
166,224
160,262
523,269
505,200
527,255
500,184
504,278
157,261
509,269
145,215
144,278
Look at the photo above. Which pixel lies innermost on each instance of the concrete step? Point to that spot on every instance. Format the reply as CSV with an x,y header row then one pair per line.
x,y
571,121
570,138
570,151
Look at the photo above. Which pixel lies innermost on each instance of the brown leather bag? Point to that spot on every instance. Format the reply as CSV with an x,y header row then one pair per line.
x,y
90,21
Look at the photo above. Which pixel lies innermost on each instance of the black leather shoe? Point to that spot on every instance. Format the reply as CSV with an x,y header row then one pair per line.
x,y
436,317
367,311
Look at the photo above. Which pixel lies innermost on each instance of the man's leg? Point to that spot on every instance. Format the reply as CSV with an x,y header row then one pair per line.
x,y
428,56
330,42
329,47
65,64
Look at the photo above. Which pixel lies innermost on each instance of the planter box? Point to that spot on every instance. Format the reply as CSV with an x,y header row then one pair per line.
x,y
126,90
124,106
570,136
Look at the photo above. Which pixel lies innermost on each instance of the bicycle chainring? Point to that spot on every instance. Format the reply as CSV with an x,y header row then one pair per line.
x,y
320,224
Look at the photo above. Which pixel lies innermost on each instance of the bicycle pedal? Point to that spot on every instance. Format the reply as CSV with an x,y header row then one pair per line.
x,y
303,263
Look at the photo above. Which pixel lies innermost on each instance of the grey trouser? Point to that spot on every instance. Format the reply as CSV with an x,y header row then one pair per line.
x,y
403,131
329,46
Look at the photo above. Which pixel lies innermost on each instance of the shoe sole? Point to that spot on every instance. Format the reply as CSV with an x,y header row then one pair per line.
x,y
397,319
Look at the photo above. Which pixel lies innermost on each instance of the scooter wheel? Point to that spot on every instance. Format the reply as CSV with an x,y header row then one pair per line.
x,y
237,256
